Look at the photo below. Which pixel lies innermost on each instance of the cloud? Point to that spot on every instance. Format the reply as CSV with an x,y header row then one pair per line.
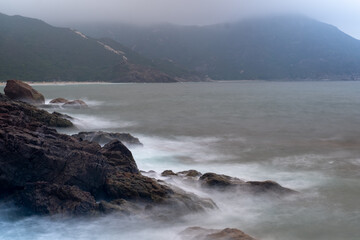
x,y
342,13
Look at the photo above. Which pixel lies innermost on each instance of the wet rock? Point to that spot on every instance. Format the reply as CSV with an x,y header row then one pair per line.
x,y
168,173
105,137
217,180
59,100
18,90
198,233
49,199
77,104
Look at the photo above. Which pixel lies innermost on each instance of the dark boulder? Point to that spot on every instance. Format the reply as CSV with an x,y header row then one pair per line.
x,y
198,233
18,90
105,137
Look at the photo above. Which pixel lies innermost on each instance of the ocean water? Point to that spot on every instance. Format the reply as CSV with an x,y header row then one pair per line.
x,y
304,135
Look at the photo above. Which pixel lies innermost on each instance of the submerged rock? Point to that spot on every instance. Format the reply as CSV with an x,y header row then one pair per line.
x,y
59,100
223,182
78,104
198,233
263,187
18,90
51,173
105,137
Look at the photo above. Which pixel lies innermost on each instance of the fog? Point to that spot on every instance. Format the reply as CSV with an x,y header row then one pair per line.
x,y
344,14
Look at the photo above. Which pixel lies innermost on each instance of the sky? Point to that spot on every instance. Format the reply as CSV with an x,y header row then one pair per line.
x,y
344,14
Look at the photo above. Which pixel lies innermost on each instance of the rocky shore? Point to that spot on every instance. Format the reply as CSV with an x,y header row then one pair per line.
x,y
51,173
44,172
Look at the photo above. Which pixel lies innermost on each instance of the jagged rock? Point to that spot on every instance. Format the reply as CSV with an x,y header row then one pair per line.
x,y
78,104
119,156
198,233
51,173
59,100
168,173
18,90
45,198
32,114
105,137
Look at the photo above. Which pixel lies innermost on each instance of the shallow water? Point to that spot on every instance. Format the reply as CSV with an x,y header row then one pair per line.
x,y
304,135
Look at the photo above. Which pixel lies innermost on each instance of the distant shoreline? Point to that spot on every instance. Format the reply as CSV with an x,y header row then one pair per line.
x,y
59,83
213,81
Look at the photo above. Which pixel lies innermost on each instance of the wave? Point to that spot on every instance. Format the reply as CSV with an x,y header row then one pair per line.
x,y
91,123
177,152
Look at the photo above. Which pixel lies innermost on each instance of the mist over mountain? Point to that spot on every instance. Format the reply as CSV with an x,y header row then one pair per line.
x,y
272,48
283,47
32,50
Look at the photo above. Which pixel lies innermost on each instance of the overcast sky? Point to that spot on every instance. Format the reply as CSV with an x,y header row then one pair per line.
x,y
345,14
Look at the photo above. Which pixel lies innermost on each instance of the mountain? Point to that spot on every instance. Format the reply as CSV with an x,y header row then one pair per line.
x,y
282,47
35,51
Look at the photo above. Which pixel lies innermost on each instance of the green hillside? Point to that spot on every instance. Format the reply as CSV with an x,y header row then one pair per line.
x,y
32,50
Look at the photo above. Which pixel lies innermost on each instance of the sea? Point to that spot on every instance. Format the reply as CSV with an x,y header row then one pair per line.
x,y
303,135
